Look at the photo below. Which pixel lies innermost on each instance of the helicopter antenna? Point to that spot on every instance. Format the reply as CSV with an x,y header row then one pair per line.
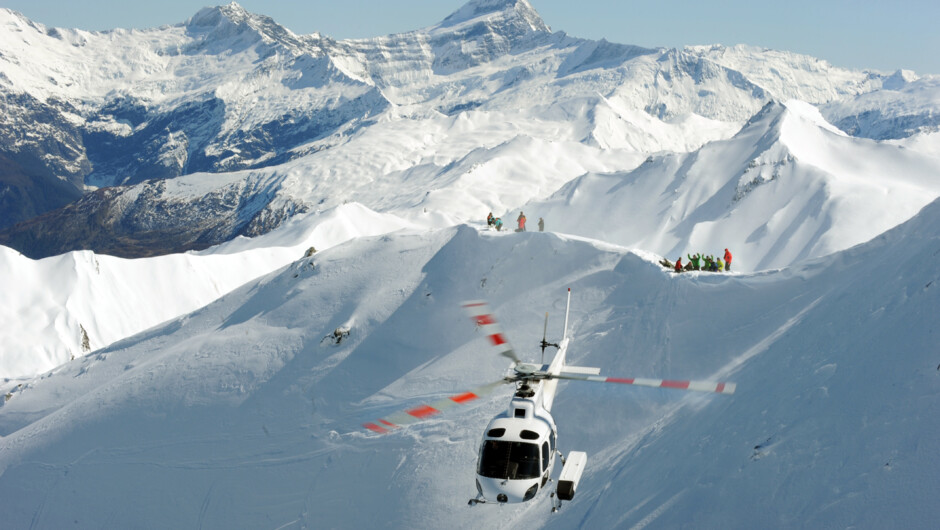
x,y
567,307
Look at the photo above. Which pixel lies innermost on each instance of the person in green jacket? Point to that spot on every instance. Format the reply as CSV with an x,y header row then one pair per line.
x,y
694,260
720,266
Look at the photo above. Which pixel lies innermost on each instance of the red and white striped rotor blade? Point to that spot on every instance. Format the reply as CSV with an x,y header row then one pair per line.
x,y
698,386
481,313
421,412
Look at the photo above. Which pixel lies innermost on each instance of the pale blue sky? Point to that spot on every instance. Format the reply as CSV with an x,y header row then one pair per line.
x,y
878,35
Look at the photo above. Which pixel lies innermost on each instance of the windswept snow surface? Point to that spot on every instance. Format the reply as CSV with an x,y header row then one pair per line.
x,y
59,308
241,415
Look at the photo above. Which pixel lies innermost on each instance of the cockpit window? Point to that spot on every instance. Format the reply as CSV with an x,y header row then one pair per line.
x,y
496,433
528,435
509,460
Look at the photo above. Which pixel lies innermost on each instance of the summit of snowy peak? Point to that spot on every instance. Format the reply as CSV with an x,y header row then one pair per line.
x,y
221,23
483,30
213,16
811,115
519,10
14,19
783,125
899,79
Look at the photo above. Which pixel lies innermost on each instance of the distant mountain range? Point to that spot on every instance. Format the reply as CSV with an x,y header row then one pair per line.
x,y
255,124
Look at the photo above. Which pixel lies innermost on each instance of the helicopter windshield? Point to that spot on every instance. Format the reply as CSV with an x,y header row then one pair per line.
x,y
509,460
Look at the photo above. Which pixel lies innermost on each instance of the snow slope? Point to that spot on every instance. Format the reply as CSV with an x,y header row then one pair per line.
x,y
787,187
240,415
59,308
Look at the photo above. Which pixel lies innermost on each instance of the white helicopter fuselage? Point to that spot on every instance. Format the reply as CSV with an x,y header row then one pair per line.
x,y
517,454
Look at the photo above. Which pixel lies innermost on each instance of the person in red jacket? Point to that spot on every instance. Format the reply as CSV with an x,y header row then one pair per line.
x,y
727,260
679,264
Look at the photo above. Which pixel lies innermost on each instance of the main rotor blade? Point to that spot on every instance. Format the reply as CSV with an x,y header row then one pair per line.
x,y
481,313
697,386
422,412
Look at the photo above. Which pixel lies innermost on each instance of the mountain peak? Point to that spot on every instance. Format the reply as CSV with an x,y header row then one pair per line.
x,y
212,16
519,9
899,79
232,21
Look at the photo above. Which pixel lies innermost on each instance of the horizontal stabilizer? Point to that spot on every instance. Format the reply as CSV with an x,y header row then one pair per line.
x,y
588,370
697,386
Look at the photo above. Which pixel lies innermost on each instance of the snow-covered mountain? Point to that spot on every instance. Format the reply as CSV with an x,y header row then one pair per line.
x,y
905,106
245,413
787,187
206,388
235,93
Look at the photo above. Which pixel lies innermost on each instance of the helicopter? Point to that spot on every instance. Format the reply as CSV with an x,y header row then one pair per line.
x,y
517,453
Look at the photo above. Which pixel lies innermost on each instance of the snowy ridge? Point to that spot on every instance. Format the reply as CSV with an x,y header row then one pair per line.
x,y
786,188
63,307
246,393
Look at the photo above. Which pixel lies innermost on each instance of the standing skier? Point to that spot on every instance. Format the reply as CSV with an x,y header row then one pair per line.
x,y
727,260
521,220
541,225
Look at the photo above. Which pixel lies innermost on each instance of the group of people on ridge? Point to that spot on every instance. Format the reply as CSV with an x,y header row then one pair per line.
x,y
699,262
497,223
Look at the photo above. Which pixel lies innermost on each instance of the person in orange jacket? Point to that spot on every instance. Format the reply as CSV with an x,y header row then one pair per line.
x,y
727,260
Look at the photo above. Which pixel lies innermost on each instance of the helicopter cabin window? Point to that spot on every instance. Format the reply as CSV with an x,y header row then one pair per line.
x,y
509,460
496,433
520,413
544,456
528,435
551,441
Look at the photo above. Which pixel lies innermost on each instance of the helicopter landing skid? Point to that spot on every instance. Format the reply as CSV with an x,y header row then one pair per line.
x,y
556,503
475,501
